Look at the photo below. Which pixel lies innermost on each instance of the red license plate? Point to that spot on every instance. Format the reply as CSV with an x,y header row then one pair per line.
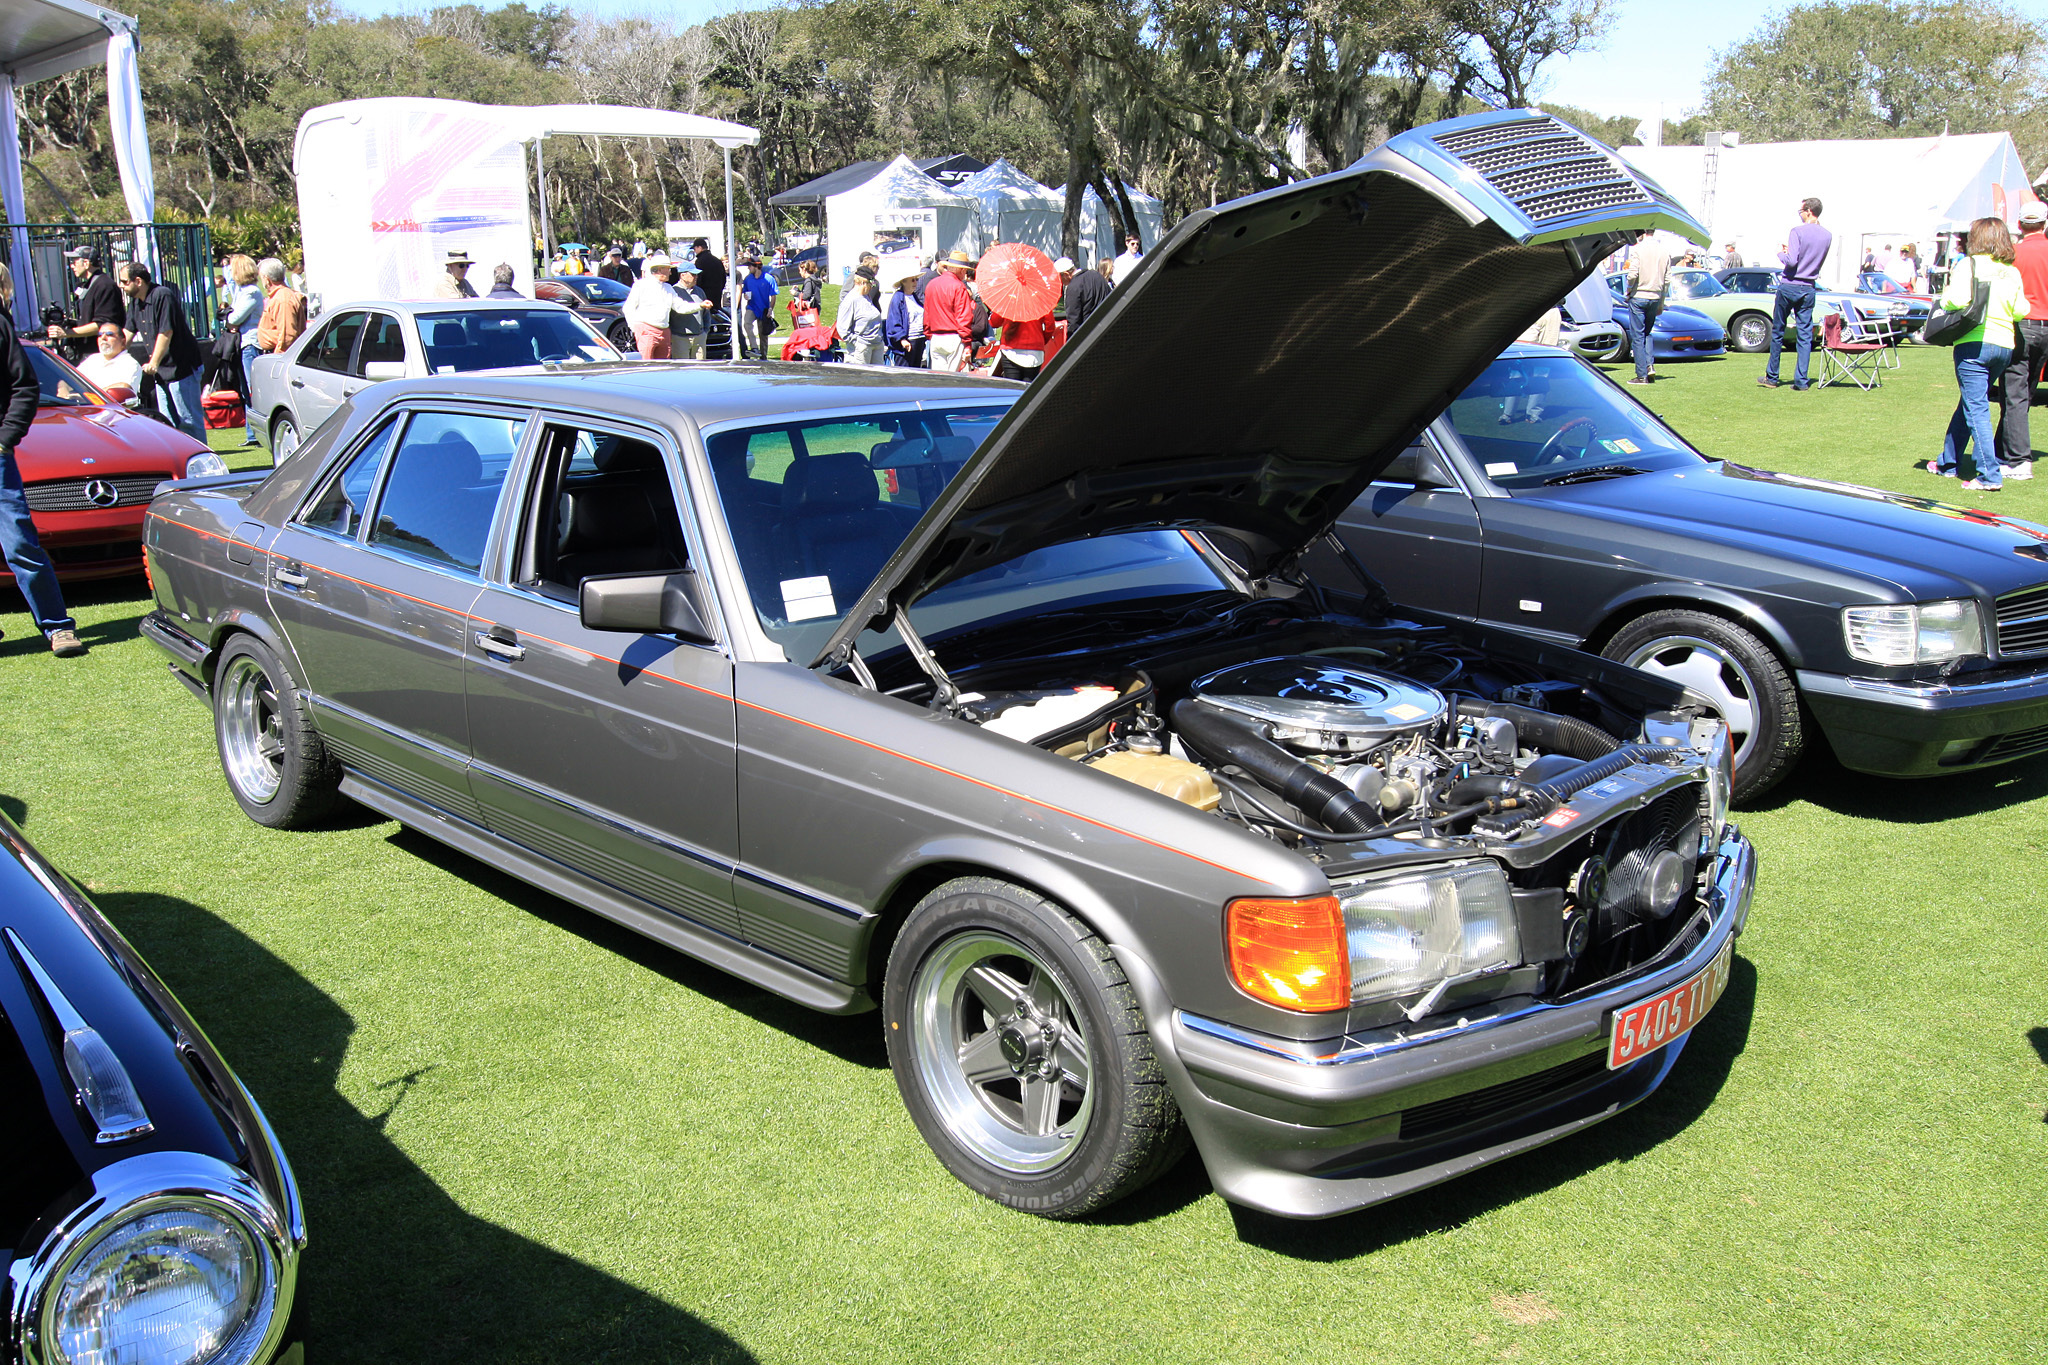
x,y
1647,1025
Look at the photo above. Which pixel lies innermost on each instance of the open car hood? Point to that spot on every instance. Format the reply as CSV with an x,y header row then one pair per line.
x,y
1270,357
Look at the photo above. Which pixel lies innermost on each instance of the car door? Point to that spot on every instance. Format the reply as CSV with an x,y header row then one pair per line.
x,y
383,346
324,374
1416,530
609,752
372,583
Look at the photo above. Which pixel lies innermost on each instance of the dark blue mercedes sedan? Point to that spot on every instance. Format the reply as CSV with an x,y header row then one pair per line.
x,y
1911,633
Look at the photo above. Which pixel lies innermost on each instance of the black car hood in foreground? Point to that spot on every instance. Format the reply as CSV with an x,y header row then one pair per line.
x,y
1271,355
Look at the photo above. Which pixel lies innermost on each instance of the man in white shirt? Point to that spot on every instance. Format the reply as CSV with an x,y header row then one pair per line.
x,y
111,369
1128,262
649,304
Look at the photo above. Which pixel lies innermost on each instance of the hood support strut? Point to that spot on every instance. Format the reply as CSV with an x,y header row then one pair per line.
x,y
948,692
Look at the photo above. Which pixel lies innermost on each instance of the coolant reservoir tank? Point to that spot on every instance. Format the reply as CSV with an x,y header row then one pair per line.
x,y
1185,782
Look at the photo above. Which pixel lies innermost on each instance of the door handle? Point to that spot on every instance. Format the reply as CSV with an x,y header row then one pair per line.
x,y
298,383
291,574
500,643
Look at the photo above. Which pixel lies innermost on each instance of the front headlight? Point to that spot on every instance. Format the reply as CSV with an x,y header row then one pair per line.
x,y
1406,934
1930,632
205,465
178,1284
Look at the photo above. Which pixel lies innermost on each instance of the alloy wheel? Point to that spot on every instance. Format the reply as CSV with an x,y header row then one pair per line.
x,y
251,729
1714,674
1001,1052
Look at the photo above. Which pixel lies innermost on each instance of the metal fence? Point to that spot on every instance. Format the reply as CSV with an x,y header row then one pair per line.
x,y
178,254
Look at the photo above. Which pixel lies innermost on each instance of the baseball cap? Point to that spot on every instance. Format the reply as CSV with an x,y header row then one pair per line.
x,y
81,253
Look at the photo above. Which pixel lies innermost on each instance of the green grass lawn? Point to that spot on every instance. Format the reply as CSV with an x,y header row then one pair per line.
x,y
526,1135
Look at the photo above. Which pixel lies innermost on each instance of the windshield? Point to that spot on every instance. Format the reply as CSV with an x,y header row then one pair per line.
x,y
1696,284
58,385
817,507
1881,284
1531,418
501,338
598,289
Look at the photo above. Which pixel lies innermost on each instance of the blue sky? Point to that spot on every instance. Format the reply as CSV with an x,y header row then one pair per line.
x,y
1657,55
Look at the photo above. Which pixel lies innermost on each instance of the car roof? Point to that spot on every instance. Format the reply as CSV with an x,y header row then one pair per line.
x,y
439,305
706,393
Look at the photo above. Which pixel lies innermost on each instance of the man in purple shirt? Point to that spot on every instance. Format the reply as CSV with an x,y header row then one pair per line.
x,y
1804,252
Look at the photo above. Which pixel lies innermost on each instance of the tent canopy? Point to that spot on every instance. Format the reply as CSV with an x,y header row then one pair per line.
x,y
44,38
890,207
1873,192
814,193
1098,225
617,120
1016,208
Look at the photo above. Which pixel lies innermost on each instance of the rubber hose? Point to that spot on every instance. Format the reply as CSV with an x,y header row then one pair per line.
x,y
1544,730
1567,785
1223,738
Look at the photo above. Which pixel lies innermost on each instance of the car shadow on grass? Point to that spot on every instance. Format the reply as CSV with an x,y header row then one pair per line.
x,y
855,1039
394,1269
1696,1078
1822,781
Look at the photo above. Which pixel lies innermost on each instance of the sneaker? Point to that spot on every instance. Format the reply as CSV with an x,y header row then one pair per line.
x,y
1929,466
1801,388
1639,380
2022,472
1979,486
65,644
1766,382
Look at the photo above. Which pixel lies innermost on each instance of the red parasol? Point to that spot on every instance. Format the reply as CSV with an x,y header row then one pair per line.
x,y
1017,281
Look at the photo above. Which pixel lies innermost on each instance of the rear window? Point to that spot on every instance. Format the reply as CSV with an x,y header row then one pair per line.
x,y
503,338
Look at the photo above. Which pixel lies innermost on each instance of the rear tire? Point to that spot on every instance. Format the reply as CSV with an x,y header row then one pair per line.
x,y
620,336
1022,1055
277,768
1748,685
284,438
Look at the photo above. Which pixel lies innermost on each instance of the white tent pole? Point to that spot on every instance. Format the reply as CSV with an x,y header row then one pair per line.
x,y
547,228
732,276
17,206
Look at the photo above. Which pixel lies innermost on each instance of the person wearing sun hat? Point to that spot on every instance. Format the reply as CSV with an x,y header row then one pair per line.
x,y
949,313
455,283
650,304
903,327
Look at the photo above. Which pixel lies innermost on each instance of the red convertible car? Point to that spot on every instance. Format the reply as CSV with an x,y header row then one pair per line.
x,y
90,465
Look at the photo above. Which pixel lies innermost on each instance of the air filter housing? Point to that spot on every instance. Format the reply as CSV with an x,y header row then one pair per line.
x,y
1321,706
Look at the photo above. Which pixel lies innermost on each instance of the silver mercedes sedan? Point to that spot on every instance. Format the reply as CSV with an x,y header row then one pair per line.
x,y
1009,712
346,349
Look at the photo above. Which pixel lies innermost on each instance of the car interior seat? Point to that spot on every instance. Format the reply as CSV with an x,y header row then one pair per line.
x,y
619,519
834,523
436,502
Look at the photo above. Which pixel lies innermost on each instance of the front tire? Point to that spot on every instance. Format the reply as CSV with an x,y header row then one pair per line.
x,y
620,336
1022,1055
277,768
1749,333
1741,676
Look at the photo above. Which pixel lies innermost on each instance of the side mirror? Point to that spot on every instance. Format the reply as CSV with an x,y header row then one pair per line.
x,y
646,604
1420,465
384,369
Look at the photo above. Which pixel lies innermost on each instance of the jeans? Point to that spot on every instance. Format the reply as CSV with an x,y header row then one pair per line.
x,y
34,574
1642,317
181,397
755,330
2029,353
249,353
1977,365
1793,299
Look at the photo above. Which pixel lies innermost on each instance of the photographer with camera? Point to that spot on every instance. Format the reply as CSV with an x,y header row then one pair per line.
x,y
99,301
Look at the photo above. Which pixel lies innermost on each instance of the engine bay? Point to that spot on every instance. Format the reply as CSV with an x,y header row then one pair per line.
x,y
1363,745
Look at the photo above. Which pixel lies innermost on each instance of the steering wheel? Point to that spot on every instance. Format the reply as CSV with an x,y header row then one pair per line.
x,y
1556,448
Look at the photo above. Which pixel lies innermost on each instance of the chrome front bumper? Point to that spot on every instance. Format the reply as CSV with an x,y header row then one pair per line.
x,y
1310,1131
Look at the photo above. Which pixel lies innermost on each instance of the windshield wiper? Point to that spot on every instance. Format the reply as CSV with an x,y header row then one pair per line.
x,y
1604,471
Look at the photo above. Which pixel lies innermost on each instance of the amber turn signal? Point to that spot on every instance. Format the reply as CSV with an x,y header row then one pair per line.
x,y
1290,953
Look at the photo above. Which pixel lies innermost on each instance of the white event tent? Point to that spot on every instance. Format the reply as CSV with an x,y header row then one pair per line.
x,y
880,205
387,187
40,39
1874,192
1016,208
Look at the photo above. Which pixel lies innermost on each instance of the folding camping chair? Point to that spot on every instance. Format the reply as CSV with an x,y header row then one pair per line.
x,y
1847,357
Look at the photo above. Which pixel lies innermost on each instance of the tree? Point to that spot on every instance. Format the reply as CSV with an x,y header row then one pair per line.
x,y
1871,69
1508,41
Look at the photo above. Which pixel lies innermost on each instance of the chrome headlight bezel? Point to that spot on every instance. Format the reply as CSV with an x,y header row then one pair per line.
x,y
1899,635
1487,937
155,1182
